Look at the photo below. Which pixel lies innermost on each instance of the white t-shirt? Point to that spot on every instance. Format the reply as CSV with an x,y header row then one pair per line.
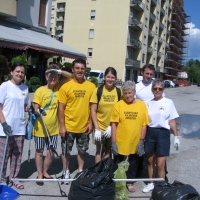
x,y
14,98
143,91
161,112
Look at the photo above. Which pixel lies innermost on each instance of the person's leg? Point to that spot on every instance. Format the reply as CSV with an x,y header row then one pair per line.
x,y
49,155
150,157
16,156
82,144
160,165
107,147
8,153
98,153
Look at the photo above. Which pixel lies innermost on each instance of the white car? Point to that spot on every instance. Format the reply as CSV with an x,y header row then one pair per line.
x,y
172,85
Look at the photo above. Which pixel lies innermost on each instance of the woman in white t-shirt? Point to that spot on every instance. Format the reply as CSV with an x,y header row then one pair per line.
x,y
13,104
162,113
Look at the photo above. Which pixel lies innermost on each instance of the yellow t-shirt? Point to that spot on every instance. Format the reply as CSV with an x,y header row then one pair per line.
x,y
76,97
42,96
106,103
130,119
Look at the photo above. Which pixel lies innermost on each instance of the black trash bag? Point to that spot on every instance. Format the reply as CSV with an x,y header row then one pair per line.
x,y
174,191
94,183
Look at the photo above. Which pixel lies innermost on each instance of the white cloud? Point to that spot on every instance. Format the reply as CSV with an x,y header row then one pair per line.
x,y
194,42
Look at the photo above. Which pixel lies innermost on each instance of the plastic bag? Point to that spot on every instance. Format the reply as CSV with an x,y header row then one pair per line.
x,y
174,191
94,183
120,187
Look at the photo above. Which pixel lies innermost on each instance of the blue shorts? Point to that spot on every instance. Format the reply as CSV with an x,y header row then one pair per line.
x,y
157,141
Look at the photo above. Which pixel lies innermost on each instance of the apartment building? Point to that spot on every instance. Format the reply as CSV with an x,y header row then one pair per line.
x,y
176,54
123,34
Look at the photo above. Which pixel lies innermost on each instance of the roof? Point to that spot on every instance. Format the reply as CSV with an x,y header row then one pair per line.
x,y
17,37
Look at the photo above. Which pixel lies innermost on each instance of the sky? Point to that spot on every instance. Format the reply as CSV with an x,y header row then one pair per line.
x,y
192,9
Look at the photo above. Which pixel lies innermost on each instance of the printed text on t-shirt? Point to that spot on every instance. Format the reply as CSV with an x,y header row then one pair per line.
x,y
79,93
130,115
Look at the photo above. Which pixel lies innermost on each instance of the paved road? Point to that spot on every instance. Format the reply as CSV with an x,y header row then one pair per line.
x,y
183,165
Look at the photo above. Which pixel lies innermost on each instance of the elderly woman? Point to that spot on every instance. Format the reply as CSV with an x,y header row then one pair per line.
x,y
157,142
129,120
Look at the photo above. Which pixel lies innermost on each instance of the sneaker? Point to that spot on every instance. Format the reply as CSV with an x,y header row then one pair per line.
x,y
66,176
148,188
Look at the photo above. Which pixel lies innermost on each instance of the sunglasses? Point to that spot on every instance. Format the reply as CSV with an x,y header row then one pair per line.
x,y
159,89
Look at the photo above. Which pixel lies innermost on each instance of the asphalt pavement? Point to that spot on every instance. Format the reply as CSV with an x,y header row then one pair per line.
x,y
183,165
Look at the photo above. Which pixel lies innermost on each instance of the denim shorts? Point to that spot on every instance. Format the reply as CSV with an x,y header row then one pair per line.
x,y
82,142
157,141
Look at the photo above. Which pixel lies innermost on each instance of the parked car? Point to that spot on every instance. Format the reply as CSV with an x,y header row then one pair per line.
x,y
172,85
198,84
167,84
175,83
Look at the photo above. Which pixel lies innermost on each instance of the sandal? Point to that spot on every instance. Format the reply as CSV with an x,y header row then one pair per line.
x,y
18,185
130,188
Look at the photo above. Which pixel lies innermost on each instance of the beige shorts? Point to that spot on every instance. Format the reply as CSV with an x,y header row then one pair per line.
x,y
104,141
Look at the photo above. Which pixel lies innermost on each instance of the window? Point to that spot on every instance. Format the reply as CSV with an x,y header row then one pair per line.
x,y
154,60
155,46
92,14
143,58
52,16
42,12
53,8
90,50
91,33
145,40
147,4
157,15
146,22
51,25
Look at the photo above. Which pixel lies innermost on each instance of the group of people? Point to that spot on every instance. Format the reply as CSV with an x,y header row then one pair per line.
x,y
126,122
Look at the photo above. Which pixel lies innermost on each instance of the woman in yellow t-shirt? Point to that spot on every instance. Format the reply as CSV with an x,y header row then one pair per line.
x,y
102,102
129,119
47,97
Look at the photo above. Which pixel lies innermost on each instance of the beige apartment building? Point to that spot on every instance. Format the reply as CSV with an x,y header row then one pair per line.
x,y
124,34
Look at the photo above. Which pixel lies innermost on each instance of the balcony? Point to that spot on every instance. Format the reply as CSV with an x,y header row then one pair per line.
x,y
167,45
137,5
60,10
59,28
159,54
168,32
162,11
160,40
151,33
133,63
136,44
157,69
152,17
61,19
135,24
153,2
161,25
150,50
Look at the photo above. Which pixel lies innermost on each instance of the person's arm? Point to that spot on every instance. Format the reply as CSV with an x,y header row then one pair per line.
x,y
61,119
143,132
2,118
94,115
113,130
172,124
66,77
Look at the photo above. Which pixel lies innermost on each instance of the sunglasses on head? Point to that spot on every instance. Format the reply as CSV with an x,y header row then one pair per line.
x,y
159,89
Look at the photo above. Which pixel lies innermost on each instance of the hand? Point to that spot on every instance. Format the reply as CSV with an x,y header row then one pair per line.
x,y
107,132
58,71
114,148
176,142
42,112
97,135
6,128
63,132
140,148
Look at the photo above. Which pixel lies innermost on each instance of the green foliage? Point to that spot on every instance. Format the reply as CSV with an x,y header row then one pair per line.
x,y
94,80
88,69
3,59
67,67
34,81
193,70
20,59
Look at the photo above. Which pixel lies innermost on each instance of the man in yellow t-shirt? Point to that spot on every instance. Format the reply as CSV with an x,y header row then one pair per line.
x,y
74,114
129,119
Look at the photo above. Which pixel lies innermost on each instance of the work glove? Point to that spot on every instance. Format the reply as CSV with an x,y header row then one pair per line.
x,y
42,112
58,71
140,148
114,148
6,128
176,142
107,132
97,135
